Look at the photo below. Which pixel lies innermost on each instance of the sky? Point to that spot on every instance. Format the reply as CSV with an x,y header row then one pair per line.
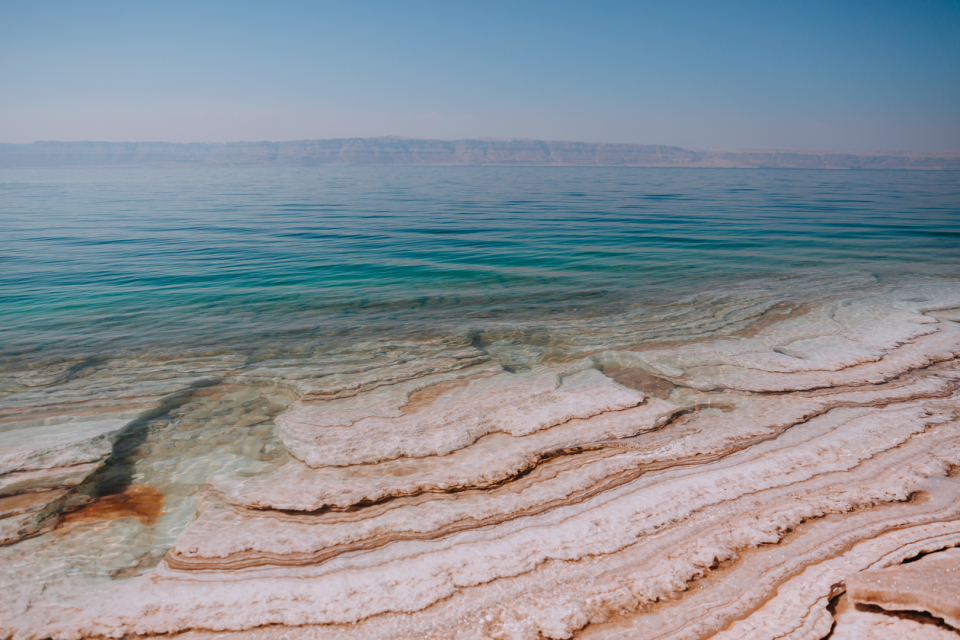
x,y
858,76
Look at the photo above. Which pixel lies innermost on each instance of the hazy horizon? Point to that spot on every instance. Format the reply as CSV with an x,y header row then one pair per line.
x,y
498,138
717,149
851,77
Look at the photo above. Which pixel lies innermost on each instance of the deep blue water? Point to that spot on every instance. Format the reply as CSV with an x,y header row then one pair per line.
x,y
94,260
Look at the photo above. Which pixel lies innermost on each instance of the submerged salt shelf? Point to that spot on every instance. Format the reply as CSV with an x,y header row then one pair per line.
x,y
511,404
722,467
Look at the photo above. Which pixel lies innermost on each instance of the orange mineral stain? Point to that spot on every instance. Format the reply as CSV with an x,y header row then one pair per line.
x,y
137,501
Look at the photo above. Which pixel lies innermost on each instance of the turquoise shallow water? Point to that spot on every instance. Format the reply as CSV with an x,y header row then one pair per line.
x,y
99,260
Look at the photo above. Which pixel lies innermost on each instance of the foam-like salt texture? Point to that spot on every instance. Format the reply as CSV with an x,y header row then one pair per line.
x,y
728,475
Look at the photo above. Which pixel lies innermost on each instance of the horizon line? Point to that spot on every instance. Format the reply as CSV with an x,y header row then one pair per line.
x,y
396,150
803,150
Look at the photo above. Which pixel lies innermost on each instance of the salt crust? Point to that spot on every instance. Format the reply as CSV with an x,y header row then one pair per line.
x,y
600,533
28,514
489,461
931,584
740,587
853,623
34,459
494,458
42,479
864,341
799,609
364,367
62,445
372,429
410,574
557,598
251,533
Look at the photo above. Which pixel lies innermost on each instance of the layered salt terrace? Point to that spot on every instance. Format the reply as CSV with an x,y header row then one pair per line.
x,y
760,467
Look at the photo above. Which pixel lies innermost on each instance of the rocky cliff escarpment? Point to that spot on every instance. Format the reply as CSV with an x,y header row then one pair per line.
x,y
411,151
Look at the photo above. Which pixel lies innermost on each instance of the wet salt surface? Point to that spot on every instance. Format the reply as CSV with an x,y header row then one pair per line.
x,y
143,497
377,298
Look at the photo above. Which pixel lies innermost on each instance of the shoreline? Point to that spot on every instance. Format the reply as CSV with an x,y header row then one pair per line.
x,y
508,489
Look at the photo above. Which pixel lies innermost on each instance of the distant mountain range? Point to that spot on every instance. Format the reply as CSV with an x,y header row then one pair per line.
x,y
411,151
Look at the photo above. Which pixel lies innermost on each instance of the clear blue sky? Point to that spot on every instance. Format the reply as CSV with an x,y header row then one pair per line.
x,y
828,75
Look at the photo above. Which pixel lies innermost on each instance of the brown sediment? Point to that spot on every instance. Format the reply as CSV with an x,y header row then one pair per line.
x,y
930,584
137,501
774,315
841,606
945,314
12,505
667,344
641,381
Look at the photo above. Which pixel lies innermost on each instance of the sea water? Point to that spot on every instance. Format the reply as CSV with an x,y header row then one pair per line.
x,y
100,260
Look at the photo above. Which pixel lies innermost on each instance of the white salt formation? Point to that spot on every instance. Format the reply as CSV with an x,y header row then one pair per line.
x,y
760,468
373,427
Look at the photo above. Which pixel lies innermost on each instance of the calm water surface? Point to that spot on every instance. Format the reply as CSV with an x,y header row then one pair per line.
x,y
99,260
